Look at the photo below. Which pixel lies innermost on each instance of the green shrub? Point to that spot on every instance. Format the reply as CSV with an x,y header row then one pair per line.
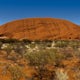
x,y
61,43
9,40
27,41
44,57
40,58
19,48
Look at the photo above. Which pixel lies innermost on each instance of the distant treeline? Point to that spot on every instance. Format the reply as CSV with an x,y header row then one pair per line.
x,y
29,41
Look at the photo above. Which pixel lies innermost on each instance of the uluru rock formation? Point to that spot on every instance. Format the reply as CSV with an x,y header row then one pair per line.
x,y
40,29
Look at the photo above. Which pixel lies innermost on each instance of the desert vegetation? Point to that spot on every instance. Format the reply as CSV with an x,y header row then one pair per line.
x,y
39,60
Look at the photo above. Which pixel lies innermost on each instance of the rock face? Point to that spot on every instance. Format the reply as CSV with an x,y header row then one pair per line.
x,y
40,29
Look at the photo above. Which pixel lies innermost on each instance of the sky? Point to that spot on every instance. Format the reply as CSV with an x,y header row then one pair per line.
x,y
18,9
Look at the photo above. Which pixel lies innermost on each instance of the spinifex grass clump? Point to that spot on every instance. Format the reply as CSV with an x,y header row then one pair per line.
x,y
15,72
